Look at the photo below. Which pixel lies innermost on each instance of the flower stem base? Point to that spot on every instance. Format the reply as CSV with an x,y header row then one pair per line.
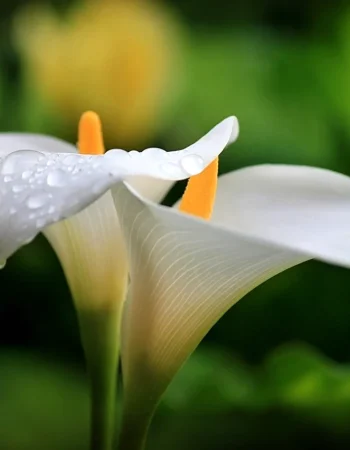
x,y
100,338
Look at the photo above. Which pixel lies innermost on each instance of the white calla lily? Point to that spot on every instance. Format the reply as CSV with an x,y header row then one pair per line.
x,y
186,272
34,165
40,188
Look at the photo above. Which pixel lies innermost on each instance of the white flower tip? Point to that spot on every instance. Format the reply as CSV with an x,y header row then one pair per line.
x,y
234,126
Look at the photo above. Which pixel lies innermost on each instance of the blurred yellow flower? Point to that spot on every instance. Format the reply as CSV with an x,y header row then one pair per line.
x,y
121,58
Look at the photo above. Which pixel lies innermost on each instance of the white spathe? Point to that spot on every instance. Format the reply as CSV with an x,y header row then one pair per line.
x,y
298,207
186,272
42,185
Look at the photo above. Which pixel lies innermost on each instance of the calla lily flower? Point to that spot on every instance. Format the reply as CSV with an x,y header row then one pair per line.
x,y
44,179
38,187
42,184
187,272
51,181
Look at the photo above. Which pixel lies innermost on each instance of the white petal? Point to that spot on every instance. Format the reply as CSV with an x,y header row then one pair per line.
x,y
155,189
10,142
151,188
185,274
91,249
180,164
38,189
301,208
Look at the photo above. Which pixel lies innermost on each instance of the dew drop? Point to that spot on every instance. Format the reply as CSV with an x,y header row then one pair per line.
x,y
76,170
37,201
72,159
7,178
41,222
26,174
117,156
19,160
57,178
154,152
192,164
18,188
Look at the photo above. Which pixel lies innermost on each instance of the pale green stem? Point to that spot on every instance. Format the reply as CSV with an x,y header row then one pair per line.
x,y
134,432
100,330
138,411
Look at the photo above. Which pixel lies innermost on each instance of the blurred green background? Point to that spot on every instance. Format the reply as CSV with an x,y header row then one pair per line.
x,y
275,371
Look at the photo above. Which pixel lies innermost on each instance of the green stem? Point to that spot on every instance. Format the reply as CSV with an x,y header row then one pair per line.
x,y
134,432
100,338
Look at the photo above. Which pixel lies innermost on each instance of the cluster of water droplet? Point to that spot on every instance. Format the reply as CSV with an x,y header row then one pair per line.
x,y
190,164
38,188
159,163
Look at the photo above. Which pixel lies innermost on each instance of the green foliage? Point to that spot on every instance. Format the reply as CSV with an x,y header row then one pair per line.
x,y
295,378
43,405
211,382
269,83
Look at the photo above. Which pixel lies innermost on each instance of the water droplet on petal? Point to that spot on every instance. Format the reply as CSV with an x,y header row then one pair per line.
x,y
26,174
51,209
18,188
19,160
37,201
57,178
76,170
154,152
114,159
133,153
7,178
41,222
192,164
72,159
